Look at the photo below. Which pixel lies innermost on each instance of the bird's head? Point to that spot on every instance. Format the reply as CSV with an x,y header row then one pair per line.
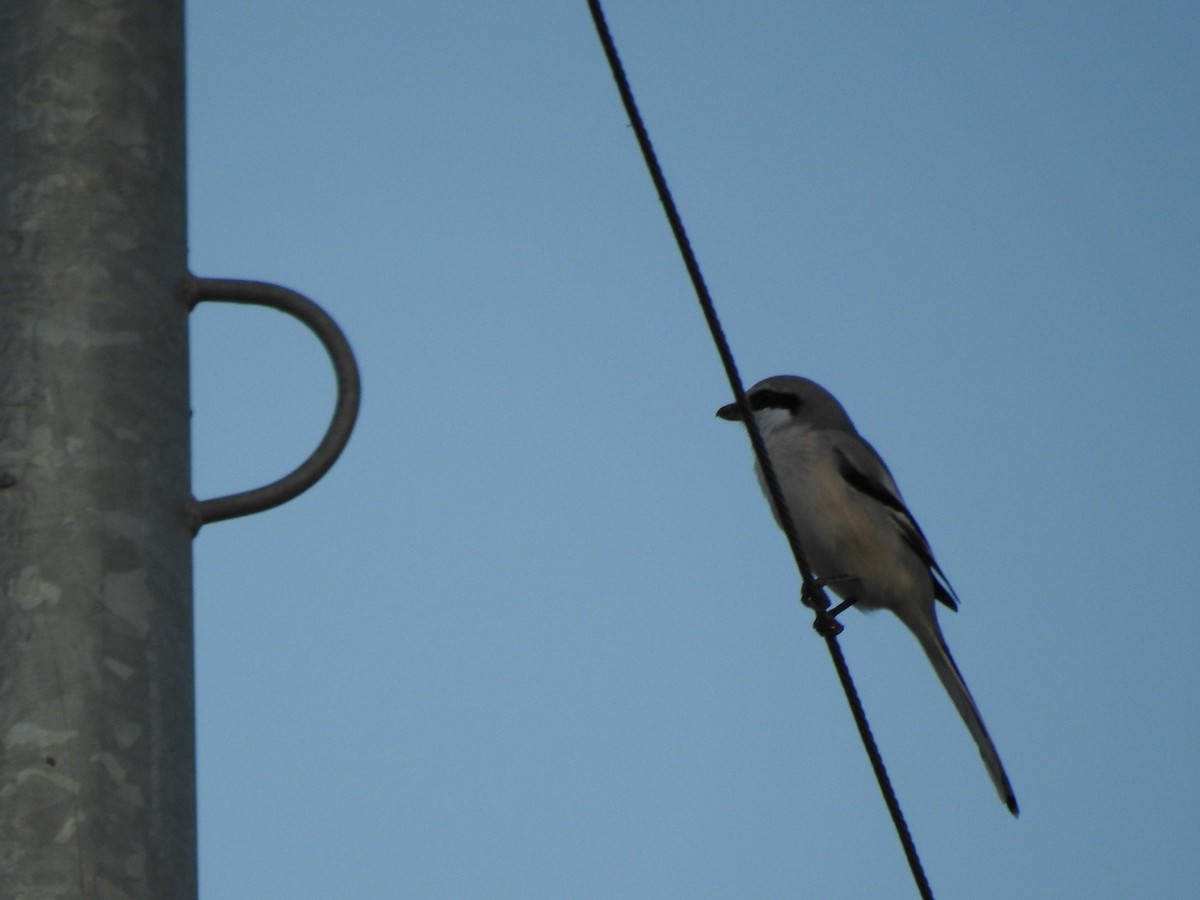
x,y
783,400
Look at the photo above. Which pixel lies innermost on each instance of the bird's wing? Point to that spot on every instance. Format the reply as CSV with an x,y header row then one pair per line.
x,y
866,472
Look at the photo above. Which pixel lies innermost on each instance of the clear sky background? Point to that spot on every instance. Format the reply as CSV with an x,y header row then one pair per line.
x,y
536,635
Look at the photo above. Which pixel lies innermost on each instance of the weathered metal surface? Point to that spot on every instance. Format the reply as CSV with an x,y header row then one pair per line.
x,y
97,742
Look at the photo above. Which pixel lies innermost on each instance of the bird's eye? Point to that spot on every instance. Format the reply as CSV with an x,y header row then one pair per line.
x,y
769,399
761,400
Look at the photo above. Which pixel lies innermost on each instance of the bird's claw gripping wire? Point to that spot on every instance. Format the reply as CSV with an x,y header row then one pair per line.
x,y
812,595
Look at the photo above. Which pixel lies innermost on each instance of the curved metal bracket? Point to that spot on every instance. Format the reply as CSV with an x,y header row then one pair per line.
x,y
349,394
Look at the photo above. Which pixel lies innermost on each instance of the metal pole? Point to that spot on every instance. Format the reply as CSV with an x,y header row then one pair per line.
x,y
97,736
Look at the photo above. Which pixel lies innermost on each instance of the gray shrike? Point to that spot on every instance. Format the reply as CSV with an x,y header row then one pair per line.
x,y
856,532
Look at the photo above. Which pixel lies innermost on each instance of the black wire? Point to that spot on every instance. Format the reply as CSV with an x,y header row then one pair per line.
x,y
812,593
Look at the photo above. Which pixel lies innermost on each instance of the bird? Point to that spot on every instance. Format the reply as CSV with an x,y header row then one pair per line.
x,y
855,531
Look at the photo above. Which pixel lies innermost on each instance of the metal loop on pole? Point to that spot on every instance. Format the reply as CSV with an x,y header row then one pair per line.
x,y
349,393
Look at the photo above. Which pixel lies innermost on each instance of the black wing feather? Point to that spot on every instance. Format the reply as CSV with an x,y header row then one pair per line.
x,y
911,531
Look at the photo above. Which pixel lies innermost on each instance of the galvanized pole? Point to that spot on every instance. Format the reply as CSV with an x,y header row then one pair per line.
x,y
97,742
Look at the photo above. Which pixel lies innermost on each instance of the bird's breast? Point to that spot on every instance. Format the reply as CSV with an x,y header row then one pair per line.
x,y
847,537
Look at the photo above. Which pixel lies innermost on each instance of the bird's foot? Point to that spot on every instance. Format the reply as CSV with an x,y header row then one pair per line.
x,y
812,594
842,607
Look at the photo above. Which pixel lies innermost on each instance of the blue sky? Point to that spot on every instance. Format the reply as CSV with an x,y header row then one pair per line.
x,y
536,635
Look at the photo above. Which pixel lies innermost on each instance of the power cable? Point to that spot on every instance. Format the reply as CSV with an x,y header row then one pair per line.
x,y
812,592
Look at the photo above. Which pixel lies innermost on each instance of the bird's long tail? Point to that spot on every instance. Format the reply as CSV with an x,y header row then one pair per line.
x,y
934,645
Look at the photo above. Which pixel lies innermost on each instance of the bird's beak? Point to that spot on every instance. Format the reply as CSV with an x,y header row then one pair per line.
x,y
730,413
